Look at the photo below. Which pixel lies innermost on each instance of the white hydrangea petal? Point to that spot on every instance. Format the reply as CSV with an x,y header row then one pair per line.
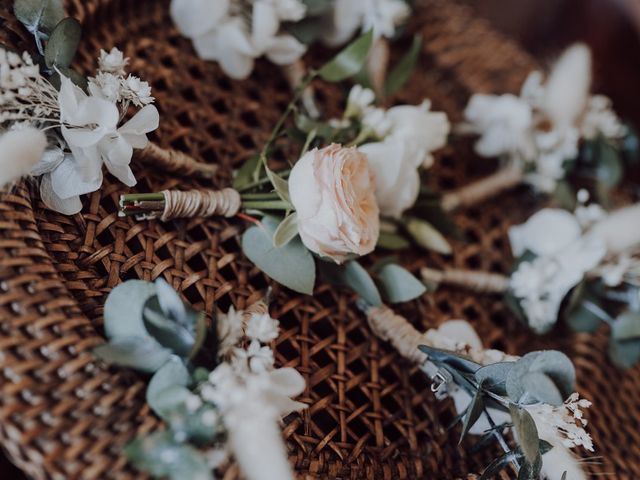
x,y
196,17
285,49
265,23
546,232
69,180
146,120
67,206
50,159
122,173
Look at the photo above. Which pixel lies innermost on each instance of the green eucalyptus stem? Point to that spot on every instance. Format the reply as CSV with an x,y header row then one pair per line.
x,y
306,81
284,174
260,196
267,205
501,441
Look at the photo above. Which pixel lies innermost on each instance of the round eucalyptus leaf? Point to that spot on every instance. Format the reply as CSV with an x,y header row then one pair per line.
x,y
554,364
626,353
399,285
169,333
494,377
123,310
626,326
166,390
542,388
39,15
140,353
527,433
63,43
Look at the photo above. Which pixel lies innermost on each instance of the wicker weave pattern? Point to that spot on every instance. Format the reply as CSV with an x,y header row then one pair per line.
x,y
64,415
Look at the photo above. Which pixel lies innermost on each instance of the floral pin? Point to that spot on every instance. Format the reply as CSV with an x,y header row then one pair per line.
x,y
552,132
220,401
67,127
356,186
532,397
581,267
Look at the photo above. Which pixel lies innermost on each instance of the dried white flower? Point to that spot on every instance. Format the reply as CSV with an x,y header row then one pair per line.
x,y
262,328
113,61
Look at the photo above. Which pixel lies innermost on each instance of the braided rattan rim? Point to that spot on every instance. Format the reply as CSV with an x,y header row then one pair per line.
x,y
64,415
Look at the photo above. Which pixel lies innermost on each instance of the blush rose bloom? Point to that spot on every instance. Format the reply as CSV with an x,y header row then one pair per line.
x,y
333,192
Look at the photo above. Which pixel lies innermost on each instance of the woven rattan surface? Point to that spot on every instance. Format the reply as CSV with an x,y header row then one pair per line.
x,y
370,415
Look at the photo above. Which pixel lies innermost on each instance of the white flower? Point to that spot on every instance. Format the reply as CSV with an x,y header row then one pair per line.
x,y
333,192
503,122
107,86
289,10
259,358
397,177
613,273
281,49
112,62
567,89
262,328
230,327
619,230
90,128
359,100
422,130
230,45
546,232
197,17
20,150
588,215
349,16
376,121
600,119
137,91
565,419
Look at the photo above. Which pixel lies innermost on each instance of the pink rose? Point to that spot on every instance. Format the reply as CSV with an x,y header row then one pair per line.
x,y
333,192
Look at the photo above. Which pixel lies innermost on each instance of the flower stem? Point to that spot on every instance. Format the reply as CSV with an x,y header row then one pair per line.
x,y
267,205
283,118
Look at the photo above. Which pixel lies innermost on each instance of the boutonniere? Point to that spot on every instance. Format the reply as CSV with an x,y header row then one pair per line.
x,y
355,185
235,33
584,272
551,135
218,402
532,397
63,128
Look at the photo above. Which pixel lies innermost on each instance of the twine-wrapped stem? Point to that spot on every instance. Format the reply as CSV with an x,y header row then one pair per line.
x,y
170,204
477,281
504,179
174,161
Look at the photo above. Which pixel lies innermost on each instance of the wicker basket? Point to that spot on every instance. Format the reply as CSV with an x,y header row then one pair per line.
x,y
65,415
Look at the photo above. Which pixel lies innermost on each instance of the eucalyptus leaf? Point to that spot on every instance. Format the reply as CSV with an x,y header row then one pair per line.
x,y
454,360
349,61
291,265
401,73
493,377
181,337
351,275
427,236
63,43
530,470
542,388
565,195
392,241
609,169
124,308
399,285
526,431
78,79
169,405
195,427
163,457
554,364
625,354
474,410
626,326
172,374
170,302
144,354
244,176
280,185
286,231
39,15
307,30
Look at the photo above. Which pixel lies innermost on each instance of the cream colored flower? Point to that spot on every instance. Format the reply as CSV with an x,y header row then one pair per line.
x,y
546,232
333,192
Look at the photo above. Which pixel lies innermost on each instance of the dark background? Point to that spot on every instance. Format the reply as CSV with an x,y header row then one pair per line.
x,y
544,28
